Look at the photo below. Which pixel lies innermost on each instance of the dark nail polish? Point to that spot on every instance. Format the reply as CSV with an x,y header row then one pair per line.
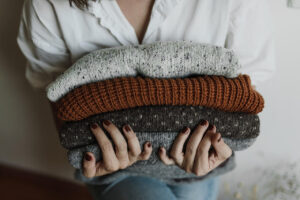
x,y
87,157
127,128
149,144
212,151
203,122
160,150
94,126
211,127
106,122
185,130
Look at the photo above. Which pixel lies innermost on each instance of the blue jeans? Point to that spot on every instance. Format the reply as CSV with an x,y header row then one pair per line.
x,y
138,187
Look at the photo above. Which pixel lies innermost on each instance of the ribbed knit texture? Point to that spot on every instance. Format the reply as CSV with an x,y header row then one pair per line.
x,y
232,95
160,59
162,119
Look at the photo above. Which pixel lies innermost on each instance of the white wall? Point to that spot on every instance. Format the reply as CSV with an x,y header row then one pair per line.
x,y
268,165
28,138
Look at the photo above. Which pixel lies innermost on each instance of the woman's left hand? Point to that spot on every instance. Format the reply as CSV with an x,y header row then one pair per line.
x,y
199,158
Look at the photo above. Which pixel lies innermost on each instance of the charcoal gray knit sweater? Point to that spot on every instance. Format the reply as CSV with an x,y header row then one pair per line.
x,y
150,119
153,167
170,174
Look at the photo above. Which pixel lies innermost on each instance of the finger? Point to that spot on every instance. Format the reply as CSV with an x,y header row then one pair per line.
x,y
222,150
192,145
145,155
89,165
118,139
101,169
201,164
164,157
177,147
212,158
133,142
109,157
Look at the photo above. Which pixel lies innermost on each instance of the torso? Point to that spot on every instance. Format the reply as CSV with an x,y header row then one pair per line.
x,y
138,14
103,25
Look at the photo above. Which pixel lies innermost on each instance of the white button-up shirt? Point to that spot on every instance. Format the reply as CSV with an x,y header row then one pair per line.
x,y
53,35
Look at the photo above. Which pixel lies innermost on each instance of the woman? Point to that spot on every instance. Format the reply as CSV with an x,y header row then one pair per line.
x,y
55,33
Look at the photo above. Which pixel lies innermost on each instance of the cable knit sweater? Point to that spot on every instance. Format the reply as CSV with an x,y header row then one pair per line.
x,y
162,59
151,119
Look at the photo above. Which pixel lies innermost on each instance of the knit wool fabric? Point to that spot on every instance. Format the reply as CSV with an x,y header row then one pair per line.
x,y
165,139
161,59
232,95
170,174
162,119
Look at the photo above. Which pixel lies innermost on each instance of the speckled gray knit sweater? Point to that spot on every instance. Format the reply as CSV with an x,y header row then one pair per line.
x,y
165,59
166,173
158,139
233,126
154,167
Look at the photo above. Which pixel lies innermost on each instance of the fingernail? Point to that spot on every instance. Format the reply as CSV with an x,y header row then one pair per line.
x,y
94,126
127,128
203,122
106,122
160,150
149,144
211,127
88,157
220,139
185,130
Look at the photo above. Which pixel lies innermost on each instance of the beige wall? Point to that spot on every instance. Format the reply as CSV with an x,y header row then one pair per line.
x,y
28,138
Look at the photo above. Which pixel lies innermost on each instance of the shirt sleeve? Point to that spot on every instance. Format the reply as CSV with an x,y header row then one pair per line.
x,y
250,35
40,40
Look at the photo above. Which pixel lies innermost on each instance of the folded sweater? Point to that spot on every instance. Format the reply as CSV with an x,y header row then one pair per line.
x,y
158,139
154,167
170,174
161,59
232,95
162,119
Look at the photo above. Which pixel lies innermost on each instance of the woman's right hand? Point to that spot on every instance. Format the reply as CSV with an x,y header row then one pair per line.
x,y
125,154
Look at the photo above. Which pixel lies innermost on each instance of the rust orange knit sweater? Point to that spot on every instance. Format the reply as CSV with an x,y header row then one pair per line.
x,y
232,95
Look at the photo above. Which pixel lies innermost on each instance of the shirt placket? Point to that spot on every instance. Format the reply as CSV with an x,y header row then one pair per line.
x,y
110,16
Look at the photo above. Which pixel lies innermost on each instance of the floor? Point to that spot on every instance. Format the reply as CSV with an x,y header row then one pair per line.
x,y
26,185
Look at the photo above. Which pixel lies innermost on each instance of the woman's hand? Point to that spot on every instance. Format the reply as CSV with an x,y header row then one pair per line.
x,y
113,160
199,158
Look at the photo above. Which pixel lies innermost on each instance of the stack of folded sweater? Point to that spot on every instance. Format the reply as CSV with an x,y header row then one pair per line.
x,y
158,89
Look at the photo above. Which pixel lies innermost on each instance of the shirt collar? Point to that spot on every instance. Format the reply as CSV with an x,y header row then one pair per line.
x,y
125,33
